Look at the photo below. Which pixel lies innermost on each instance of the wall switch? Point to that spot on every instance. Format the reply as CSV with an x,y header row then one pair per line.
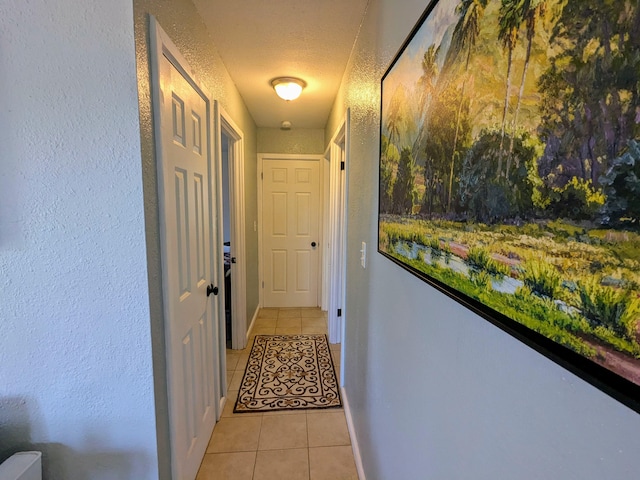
x,y
363,255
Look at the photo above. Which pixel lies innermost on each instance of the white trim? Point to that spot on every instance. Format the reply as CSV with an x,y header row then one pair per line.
x,y
260,269
338,151
162,46
253,322
352,434
326,229
322,230
343,327
223,402
237,221
219,231
285,156
218,262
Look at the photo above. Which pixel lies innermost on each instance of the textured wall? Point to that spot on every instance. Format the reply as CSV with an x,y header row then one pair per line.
x,y
436,391
181,21
303,140
75,346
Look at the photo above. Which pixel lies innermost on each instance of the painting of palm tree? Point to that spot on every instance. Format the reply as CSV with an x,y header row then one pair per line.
x,y
510,173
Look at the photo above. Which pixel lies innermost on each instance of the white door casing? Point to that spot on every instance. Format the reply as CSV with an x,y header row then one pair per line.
x,y
225,125
290,230
326,230
336,258
183,140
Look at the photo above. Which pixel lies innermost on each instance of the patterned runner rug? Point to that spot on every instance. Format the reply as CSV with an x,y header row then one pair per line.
x,y
287,372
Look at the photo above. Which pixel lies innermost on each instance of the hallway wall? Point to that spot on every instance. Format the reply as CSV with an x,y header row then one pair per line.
x,y
303,140
437,392
76,378
181,21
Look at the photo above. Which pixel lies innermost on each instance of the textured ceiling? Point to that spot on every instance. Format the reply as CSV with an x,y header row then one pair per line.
x,y
259,40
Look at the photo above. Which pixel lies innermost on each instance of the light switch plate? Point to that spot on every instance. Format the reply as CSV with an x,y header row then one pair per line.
x,y
363,255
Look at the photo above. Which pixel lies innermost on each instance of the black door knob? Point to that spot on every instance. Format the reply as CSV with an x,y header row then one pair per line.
x,y
313,244
211,289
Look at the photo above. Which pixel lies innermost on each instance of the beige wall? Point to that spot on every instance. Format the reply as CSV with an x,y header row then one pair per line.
x,y
435,390
181,21
76,380
305,140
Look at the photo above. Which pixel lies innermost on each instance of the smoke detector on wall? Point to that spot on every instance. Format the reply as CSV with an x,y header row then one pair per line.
x,y
286,125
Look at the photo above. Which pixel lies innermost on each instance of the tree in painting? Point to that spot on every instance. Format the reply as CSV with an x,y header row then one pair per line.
x,y
404,186
465,35
510,165
508,29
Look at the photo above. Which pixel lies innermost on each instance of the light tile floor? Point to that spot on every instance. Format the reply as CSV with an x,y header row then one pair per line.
x,y
289,445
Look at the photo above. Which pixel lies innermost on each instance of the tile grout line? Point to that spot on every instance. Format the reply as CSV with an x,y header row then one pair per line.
x,y
255,463
306,419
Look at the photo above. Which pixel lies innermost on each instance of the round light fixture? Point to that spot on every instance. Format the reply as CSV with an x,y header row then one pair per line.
x,y
288,88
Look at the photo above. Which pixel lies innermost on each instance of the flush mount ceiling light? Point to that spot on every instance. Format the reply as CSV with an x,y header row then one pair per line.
x,y
288,88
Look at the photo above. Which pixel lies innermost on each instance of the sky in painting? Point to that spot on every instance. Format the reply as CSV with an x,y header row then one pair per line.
x,y
408,68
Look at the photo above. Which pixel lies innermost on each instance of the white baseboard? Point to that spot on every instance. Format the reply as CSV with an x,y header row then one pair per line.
x,y
253,322
352,433
223,402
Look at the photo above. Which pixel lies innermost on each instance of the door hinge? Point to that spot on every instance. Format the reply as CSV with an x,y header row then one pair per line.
x,y
341,165
339,312
261,176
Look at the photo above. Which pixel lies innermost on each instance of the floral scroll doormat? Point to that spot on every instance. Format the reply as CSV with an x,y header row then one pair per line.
x,y
288,372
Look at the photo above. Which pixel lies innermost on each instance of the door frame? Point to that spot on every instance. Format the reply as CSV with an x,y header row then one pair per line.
x,y
336,239
162,46
224,123
288,156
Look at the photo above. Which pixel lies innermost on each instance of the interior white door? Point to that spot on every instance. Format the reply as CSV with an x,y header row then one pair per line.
x,y
187,243
290,232
337,235
336,257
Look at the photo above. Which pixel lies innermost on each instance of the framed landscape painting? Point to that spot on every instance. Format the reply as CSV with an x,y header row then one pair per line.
x,y
510,173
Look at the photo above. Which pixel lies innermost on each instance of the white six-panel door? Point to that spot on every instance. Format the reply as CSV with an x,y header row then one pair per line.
x,y
290,232
190,315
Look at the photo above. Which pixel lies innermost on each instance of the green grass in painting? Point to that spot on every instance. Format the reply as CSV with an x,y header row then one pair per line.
x,y
609,308
541,278
555,267
481,279
480,259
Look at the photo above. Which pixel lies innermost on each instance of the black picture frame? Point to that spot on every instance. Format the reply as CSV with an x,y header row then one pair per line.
x,y
483,196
